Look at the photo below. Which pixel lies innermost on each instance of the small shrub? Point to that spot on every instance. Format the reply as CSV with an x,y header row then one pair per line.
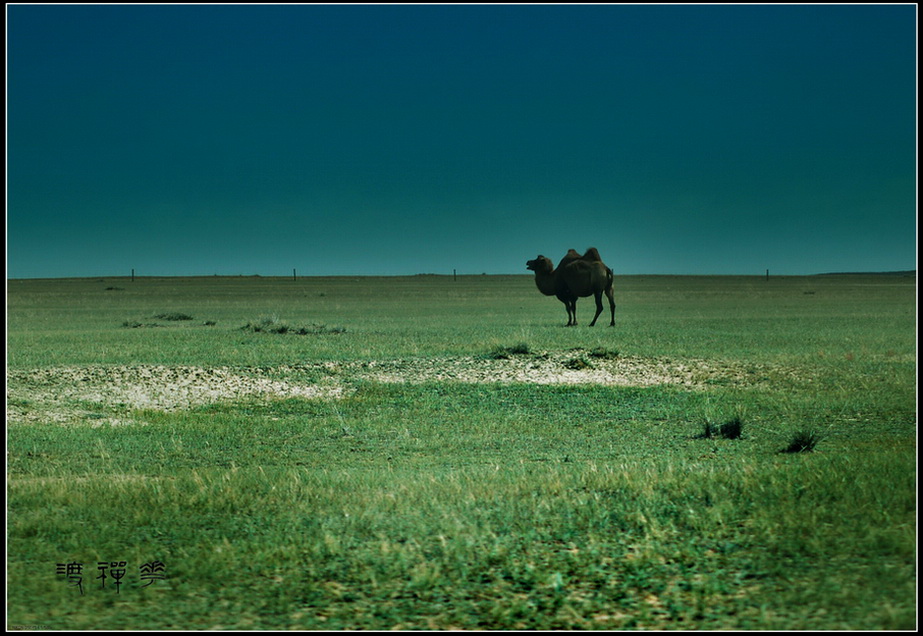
x,y
274,326
173,316
134,324
728,430
603,353
505,353
732,429
266,324
578,364
802,442
708,432
316,330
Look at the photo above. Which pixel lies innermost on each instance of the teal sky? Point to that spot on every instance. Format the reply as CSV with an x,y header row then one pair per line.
x,y
405,139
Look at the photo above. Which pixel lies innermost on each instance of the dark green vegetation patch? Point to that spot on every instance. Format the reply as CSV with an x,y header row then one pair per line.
x,y
802,442
732,429
276,326
173,316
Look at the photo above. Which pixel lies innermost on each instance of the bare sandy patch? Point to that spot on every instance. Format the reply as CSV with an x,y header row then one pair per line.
x,y
64,394
568,367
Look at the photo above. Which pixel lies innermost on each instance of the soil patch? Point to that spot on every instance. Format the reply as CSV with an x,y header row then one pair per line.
x,y
67,393
567,367
64,394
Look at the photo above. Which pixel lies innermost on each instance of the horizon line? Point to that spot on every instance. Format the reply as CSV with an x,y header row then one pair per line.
x,y
294,276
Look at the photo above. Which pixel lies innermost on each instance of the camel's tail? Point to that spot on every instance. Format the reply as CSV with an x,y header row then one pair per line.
x,y
609,278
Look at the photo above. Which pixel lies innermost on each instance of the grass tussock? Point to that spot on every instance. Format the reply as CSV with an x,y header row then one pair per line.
x,y
505,353
273,325
803,441
603,353
732,429
174,316
578,364
134,324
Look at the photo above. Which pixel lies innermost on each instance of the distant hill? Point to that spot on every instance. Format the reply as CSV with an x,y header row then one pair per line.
x,y
906,272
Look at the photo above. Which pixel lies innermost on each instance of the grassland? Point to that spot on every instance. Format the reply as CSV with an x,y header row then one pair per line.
x,y
485,500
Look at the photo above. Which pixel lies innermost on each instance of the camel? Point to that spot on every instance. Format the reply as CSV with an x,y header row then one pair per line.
x,y
575,277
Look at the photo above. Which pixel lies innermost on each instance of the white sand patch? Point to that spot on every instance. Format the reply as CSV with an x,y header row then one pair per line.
x,y
67,394
569,367
56,394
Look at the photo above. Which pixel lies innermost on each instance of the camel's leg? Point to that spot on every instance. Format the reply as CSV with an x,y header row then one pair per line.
x,y
572,313
569,310
611,306
599,306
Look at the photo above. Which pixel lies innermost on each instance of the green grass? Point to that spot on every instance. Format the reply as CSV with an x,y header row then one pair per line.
x,y
475,506
846,319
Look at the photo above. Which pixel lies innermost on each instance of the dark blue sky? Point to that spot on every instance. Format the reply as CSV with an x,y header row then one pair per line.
x,y
406,139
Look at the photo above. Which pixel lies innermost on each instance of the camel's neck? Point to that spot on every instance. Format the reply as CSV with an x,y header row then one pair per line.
x,y
545,281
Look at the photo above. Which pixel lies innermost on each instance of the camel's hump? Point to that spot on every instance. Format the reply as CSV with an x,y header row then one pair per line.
x,y
592,254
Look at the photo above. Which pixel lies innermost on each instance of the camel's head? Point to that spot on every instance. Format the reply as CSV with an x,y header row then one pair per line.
x,y
541,264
